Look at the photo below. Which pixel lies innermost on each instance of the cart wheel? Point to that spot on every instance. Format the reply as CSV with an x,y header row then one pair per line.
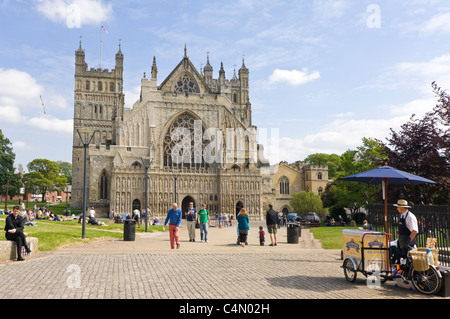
x,y
427,282
349,270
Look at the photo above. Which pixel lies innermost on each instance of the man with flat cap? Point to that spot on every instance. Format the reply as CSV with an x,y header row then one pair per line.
x,y
407,228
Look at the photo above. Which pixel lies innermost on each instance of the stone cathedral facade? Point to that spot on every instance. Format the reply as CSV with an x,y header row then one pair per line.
x,y
191,132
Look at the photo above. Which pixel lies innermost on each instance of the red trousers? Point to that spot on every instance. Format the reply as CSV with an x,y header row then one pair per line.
x,y
174,237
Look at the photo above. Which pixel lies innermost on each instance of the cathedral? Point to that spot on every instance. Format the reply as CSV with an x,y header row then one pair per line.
x,y
188,138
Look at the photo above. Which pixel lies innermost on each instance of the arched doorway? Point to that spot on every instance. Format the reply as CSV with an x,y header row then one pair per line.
x,y
185,204
136,204
239,205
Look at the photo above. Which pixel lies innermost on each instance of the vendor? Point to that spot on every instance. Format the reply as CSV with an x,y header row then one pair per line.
x,y
407,228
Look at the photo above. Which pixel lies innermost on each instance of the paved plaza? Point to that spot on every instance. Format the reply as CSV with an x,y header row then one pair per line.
x,y
148,269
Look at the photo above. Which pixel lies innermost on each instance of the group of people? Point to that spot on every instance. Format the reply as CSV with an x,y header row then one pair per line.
x,y
193,217
136,215
202,218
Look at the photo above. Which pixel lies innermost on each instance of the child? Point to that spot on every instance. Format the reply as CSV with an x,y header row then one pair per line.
x,y
261,236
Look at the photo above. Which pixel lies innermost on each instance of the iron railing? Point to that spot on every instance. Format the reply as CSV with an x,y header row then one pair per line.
x,y
433,221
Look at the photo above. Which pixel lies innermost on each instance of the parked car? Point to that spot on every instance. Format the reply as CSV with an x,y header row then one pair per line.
x,y
312,218
293,217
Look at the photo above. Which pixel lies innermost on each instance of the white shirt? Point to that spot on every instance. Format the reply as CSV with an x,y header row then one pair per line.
x,y
410,221
92,213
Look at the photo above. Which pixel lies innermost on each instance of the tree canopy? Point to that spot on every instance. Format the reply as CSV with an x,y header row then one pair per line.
x,y
44,175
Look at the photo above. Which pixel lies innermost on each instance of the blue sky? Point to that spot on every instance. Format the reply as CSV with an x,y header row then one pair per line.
x,y
323,74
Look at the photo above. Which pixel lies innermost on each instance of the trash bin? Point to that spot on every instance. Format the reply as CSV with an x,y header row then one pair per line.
x,y
293,232
129,229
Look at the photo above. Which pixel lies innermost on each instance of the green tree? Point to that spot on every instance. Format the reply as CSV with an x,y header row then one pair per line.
x,y
44,175
7,172
66,169
353,195
304,202
333,161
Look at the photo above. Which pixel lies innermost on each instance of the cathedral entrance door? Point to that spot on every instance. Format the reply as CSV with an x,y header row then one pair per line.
x,y
136,204
239,205
185,204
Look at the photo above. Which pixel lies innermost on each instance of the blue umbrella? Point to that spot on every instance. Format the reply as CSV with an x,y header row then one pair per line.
x,y
385,175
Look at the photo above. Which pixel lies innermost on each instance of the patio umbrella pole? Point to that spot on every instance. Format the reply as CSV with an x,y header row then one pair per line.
x,y
384,186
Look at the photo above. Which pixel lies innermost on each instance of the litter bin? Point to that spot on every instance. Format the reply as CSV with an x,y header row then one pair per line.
x,y
129,229
293,232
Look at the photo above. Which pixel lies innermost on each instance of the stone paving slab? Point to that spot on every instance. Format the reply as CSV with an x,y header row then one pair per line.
x,y
148,269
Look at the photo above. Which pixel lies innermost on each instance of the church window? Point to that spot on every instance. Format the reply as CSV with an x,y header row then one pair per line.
x,y
319,175
186,84
234,97
100,86
190,147
103,186
111,87
88,85
284,185
320,190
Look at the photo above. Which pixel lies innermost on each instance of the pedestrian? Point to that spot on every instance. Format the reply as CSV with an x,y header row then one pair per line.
x,y
261,236
147,216
137,217
191,218
14,225
92,213
244,228
407,229
203,219
174,220
272,223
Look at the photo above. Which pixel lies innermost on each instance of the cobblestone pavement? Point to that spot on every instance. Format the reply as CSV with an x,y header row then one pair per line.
x,y
220,269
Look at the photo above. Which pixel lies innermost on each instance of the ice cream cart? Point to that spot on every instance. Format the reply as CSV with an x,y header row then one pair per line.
x,y
366,252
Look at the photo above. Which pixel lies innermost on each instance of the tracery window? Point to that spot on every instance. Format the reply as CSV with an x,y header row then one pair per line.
x,y
284,185
187,147
186,84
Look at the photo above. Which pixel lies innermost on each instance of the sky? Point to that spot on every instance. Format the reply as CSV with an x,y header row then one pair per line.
x,y
323,74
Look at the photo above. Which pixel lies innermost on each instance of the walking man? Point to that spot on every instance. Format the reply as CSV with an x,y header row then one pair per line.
x,y
174,220
203,218
272,224
191,218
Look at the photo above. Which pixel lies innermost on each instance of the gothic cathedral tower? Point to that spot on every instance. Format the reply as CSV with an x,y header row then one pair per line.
x,y
98,106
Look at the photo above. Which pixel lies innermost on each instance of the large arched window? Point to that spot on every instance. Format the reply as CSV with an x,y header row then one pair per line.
x,y
183,143
284,185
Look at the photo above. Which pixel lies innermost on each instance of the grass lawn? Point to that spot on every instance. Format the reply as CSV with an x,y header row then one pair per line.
x,y
330,237
55,234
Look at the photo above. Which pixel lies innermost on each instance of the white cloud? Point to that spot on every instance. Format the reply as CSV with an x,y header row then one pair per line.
x,y
438,24
10,114
20,99
75,13
293,77
20,145
51,124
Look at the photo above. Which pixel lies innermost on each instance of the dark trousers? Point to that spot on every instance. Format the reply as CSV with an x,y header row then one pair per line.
x,y
243,236
20,240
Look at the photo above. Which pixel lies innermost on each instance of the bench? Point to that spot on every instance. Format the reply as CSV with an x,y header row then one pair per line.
x,y
8,249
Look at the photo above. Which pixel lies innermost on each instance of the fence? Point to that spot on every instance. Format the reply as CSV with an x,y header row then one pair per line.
x,y
433,221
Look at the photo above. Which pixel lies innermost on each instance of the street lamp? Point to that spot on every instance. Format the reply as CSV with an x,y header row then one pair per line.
x,y
146,162
86,137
